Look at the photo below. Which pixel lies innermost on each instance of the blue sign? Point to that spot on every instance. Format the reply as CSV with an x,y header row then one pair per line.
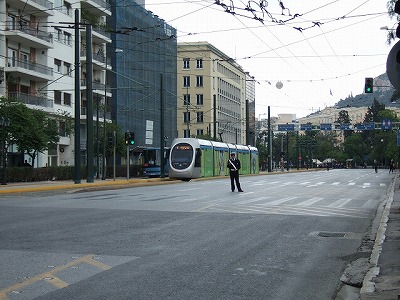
x,y
365,126
305,127
346,127
387,124
398,137
325,127
285,127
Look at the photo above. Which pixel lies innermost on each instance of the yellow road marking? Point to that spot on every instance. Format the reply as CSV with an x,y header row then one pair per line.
x,y
54,280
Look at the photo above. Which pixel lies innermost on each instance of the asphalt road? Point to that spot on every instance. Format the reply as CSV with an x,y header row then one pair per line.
x,y
288,236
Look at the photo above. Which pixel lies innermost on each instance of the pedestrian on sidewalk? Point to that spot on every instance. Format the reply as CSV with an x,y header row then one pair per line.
x,y
234,167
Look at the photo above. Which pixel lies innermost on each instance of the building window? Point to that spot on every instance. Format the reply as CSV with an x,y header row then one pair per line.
x,y
186,63
67,99
186,133
199,117
57,97
62,129
199,81
186,81
199,63
57,65
186,99
67,68
199,132
199,99
58,35
186,117
67,38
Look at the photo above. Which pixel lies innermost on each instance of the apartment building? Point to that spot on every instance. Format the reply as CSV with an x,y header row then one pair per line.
x,y
37,53
211,90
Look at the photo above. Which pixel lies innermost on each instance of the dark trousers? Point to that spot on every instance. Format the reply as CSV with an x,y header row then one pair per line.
x,y
235,178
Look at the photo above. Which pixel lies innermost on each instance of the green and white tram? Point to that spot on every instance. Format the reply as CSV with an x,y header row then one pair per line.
x,y
195,158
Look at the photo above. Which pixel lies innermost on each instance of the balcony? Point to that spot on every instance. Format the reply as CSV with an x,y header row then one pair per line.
x,y
27,69
99,33
101,114
28,35
97,87
31,99
98,7
97,58
36,7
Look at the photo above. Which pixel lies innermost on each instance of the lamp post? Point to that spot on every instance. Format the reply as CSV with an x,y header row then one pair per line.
x,y
4,122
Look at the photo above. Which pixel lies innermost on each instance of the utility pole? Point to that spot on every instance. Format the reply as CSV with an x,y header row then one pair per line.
x,y
269,141
215,117
89,101
162,164
77,117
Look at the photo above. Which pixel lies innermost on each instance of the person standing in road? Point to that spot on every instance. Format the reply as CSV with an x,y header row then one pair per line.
x,y
234,167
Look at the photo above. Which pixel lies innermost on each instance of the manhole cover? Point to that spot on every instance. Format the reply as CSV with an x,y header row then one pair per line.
x,y
331,234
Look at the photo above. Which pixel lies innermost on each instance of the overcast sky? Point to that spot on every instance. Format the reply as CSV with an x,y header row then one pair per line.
x,y
321,50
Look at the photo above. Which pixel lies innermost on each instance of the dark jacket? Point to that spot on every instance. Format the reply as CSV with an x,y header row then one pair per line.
x,y
233,164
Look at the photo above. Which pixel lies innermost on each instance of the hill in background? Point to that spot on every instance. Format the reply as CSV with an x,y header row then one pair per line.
x,y
383,91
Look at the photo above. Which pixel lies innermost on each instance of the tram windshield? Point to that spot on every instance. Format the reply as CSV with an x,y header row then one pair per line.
x,y
181,156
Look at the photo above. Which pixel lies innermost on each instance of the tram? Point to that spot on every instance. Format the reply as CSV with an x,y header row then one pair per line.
x,y
152,162
194,158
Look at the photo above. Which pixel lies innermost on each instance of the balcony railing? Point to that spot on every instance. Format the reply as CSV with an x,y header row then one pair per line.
x,y
44,3
31,99
96,85
102,31
103,3
13,62
45,36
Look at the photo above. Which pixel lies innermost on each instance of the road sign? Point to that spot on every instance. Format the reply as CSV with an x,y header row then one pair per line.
x,y
393,66
387,124
325,127
285,127
305,127
398,137
365,126
346,126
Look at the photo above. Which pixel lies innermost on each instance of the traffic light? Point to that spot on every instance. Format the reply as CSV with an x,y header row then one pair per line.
x,y
110,138
369,85
129,138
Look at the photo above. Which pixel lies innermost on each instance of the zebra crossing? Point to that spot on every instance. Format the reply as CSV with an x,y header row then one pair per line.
x,y
316,184
297,205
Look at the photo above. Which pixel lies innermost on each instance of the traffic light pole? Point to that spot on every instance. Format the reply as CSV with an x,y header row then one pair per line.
x,y
127,162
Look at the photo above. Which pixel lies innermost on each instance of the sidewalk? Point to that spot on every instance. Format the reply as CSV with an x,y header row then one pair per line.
x,y
383,282
24,187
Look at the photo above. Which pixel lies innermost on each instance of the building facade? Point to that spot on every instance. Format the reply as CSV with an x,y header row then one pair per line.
x,y
38,60
144,50
37,57
211,89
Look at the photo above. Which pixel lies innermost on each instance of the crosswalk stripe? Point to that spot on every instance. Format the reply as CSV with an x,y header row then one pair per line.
x,y
280,201
340,203
252,200
336,183
309,201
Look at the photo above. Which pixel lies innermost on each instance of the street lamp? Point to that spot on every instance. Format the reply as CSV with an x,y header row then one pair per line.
x,y
4,122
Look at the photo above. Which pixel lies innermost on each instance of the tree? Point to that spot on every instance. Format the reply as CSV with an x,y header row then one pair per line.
x,y
32,131
390,6
344,118
373,112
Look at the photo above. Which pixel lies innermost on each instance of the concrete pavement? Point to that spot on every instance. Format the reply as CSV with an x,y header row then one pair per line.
x,y
382,281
